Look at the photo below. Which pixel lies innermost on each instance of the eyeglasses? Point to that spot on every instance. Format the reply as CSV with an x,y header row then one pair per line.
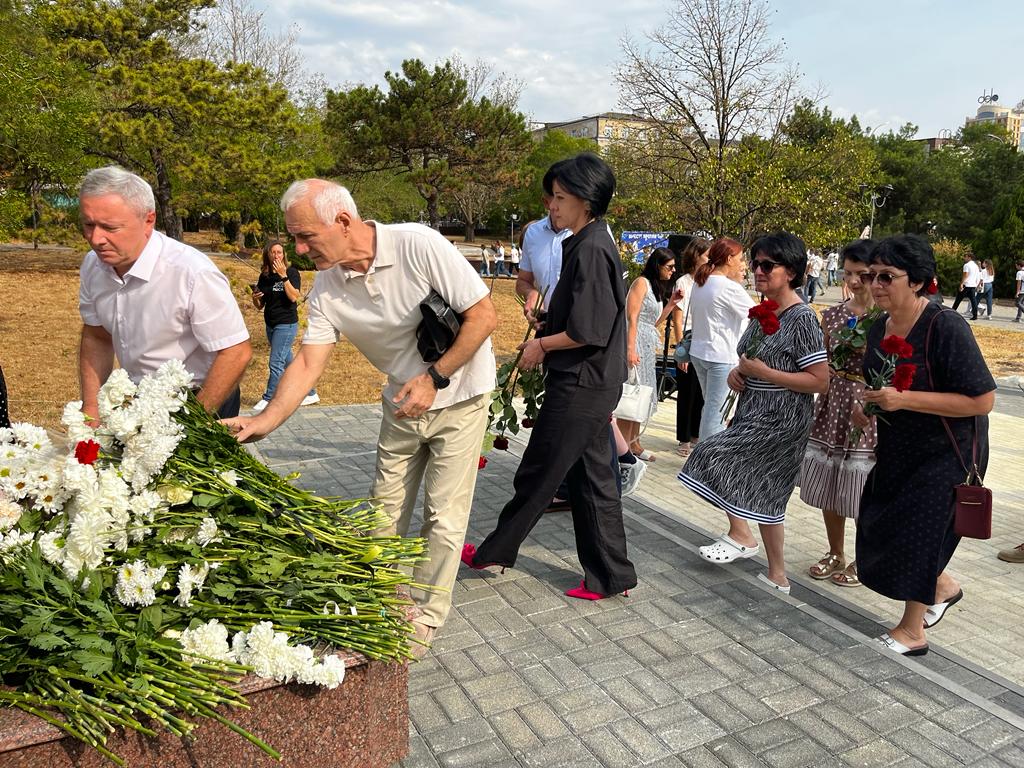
x,y
764,265
883,278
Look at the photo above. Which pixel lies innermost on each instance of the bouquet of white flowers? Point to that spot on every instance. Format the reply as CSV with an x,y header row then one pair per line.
x,y
153,561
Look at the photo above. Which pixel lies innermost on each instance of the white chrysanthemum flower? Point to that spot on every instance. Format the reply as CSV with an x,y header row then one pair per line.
x,y
190,580
136,583
115,395
173,375
229,477
208,532
13,540
269,655
10,514
88,538
209,640
31,436
52,546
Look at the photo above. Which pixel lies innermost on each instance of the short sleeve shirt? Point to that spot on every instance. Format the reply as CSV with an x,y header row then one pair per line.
x,y
172,304
972,275
379,311
278,309
542,255
1020,282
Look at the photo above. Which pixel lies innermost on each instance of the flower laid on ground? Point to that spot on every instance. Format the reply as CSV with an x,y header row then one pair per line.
x,y
892,374
152,561
768,325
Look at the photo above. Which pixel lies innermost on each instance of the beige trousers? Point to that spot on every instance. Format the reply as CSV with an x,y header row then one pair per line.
x,y
441,451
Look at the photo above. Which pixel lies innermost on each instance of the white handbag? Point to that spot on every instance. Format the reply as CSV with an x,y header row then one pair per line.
x,y
635,403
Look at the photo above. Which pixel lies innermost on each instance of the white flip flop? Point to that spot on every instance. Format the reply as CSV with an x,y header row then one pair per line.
x,y
726,550
894,645
777,587
934,614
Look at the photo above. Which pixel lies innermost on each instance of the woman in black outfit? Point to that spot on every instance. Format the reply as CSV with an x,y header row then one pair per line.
x,y
5,419
689,398
583,349
905,536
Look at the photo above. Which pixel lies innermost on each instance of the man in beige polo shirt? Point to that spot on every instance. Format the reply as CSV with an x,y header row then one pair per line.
x,y
372,279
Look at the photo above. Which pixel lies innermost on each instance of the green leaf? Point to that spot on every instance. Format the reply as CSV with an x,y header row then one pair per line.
x,y
34,575
94,642
47,641
100,610
93,662
223,589
206,500
153,615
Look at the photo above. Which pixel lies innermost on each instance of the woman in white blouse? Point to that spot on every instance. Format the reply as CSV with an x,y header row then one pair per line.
x,y
718,315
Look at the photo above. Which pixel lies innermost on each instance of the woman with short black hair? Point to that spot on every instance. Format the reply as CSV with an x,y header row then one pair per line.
x,y
749,470
931,427
689,398
583,349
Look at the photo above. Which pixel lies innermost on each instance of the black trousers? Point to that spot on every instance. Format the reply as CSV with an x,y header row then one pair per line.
x,y
570,440
689,405
971,294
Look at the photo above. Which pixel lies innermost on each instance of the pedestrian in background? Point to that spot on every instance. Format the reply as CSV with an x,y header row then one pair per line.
x,y
1020,290
988,278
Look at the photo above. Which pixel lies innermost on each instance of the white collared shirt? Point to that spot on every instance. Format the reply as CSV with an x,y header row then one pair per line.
x,y
542,255
172,304
379,311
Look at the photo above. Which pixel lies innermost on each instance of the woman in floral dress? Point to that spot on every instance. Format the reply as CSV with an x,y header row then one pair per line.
x,y
834,470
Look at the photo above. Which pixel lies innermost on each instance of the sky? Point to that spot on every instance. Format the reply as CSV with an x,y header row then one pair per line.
x,y
890,62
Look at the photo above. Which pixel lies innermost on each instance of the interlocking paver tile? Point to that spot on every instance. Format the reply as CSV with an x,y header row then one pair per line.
x,y
700,666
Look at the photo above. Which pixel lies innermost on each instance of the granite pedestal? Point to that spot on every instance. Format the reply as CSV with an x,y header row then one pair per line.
x,y
362,723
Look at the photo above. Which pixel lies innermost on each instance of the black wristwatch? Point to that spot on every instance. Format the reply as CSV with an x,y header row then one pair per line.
x,y
440,382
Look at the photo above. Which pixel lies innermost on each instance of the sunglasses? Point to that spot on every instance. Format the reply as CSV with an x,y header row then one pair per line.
x,y
883,278
764,265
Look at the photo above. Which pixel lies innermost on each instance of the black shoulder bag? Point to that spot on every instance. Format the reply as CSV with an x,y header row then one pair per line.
x,y
438,328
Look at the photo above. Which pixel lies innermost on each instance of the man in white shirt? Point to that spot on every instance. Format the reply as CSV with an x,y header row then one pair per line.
x,y
146,298
832,265
371,282
814,266
969,285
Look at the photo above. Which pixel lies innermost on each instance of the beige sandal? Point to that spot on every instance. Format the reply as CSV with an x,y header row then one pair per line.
x,y
847,577
824,568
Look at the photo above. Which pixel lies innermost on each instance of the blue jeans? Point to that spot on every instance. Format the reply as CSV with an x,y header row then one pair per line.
x,y
813,285
988,297
712,379
281,337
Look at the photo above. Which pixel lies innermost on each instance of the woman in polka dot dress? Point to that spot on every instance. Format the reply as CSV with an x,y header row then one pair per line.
x,y
905,535
834,470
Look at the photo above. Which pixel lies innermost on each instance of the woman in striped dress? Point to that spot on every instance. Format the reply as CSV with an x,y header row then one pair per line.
x,y
750,469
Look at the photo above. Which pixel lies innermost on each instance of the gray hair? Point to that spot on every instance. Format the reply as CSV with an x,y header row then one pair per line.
x,y
327,198
114,180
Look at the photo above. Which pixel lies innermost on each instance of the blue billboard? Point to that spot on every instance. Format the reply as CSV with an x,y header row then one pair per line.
x,y
642,243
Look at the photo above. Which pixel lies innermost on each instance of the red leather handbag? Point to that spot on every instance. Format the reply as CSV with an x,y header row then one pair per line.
x,y
973,510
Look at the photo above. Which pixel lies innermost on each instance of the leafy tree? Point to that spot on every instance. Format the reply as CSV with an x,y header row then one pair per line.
x,y
1003,241
43,130
428,128
202,133
706,78
553,146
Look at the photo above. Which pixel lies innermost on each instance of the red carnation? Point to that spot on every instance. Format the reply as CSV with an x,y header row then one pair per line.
x,y
482,463
904,376
87,451
527,423
898,346
769,324
765,308
501,443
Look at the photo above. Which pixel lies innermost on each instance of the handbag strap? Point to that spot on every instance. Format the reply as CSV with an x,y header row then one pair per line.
x,y
971,471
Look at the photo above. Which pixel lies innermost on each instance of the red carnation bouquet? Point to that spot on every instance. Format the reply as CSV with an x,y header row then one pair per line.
x,y
893,374
768,322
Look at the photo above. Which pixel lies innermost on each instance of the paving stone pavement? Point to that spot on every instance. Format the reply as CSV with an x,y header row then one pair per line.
x,y
699,666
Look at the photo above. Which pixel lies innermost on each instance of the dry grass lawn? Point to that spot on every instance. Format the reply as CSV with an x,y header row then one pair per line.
x,y
39,328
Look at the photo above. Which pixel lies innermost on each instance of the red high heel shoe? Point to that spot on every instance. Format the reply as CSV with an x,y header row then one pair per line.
x,y
582,593
469,552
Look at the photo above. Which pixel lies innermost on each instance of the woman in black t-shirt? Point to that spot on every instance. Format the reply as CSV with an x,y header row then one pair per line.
x,y
277,294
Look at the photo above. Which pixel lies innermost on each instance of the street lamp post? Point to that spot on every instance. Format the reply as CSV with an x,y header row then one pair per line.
x,y
513,218
877,200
